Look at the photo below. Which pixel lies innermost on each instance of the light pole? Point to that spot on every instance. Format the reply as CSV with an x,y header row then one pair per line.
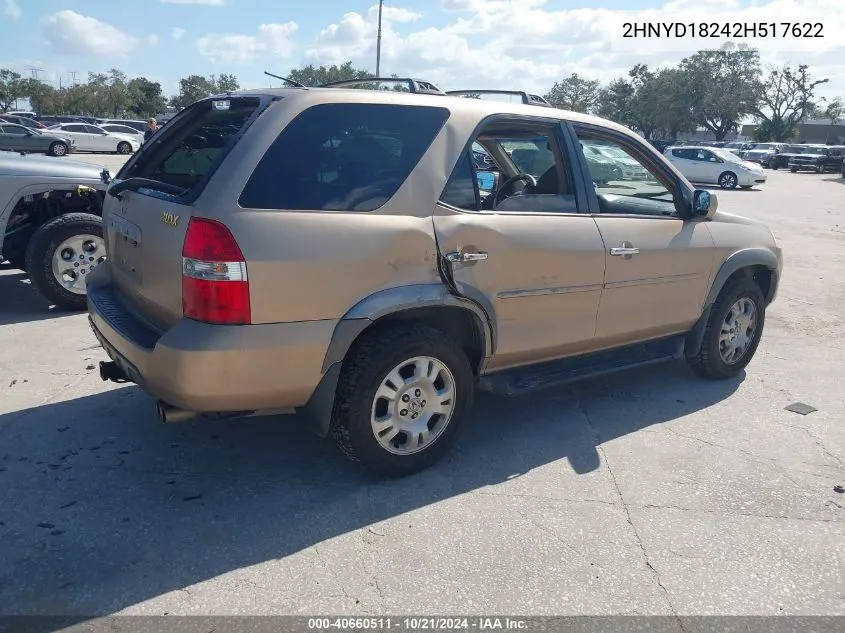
x,y
378,40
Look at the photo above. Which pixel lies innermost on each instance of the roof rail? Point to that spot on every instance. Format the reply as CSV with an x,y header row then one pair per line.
x,y
417,86
527,98
293,83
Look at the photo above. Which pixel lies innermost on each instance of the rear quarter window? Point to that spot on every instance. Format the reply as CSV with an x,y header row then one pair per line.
x,y
342,157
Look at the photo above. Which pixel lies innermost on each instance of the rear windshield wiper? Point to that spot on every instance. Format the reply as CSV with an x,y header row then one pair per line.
x,y
133,184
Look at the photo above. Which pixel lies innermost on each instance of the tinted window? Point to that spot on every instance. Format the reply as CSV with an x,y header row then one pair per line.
x,y
74,128
460,191
187,151
342,157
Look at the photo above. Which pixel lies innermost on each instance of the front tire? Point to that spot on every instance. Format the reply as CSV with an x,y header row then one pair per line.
x,y
733,331
124,148
57,149
61,253
403,396
727,180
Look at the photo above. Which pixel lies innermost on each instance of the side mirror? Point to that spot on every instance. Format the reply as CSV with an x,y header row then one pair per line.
x,y
704,204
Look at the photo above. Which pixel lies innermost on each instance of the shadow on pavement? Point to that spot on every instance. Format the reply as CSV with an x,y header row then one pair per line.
x,y
103,507
20,302
838,179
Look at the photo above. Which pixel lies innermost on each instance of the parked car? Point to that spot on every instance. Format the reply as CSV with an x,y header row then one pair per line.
x,y
629,167
23,139
603,169
373,289
92,138
22,120
138,126
50,224
715,166
763,153
842,170
818,159
24,113
781,159
52,119
115,128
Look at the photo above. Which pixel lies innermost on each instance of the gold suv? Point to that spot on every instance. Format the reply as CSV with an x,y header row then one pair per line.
x,y
339,253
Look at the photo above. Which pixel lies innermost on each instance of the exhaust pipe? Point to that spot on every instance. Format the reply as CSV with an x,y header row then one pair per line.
x,y
109,371
169,414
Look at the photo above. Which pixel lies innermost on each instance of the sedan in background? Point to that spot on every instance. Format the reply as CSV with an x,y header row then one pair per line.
x,y
763,153
93,138
138,126
715,166
22,120
23,139
118,128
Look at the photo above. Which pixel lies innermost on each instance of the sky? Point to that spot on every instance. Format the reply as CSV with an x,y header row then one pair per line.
x,y
457,44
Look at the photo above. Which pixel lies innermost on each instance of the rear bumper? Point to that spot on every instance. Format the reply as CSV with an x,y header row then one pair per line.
x,y
211,368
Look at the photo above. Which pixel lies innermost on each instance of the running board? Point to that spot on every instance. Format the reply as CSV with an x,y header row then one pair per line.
x,y
515,382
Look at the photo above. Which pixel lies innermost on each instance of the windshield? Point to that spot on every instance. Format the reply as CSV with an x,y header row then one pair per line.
x,y
726,156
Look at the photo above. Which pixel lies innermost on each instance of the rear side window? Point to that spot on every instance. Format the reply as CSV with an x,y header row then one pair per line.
x,y
189,149
342,157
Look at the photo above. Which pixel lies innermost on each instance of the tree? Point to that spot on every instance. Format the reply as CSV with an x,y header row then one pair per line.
x,y
225,83
834,110
192,88
10,89
615,101
575,93
41,96
722,86
786,98
313,76
145,97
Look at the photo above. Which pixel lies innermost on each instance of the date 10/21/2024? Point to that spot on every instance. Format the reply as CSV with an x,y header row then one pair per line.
x,y
726,30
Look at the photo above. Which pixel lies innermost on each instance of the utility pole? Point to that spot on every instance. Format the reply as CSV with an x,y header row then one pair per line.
x,y
378,40
72,77
35,71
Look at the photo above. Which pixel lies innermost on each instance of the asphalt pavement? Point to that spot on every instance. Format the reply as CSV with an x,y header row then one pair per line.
x,y
645,493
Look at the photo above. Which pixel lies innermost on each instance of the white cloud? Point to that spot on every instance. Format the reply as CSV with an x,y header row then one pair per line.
x,y
12,9
274,39
153,39
177,33
210,3
529,45
70,33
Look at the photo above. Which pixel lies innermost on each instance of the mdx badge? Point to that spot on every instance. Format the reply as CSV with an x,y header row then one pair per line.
x,y
170,218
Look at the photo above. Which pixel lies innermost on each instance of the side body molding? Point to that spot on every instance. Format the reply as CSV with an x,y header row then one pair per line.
x,y
364,314
738,260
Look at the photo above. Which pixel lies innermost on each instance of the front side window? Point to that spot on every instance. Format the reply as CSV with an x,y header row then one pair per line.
x,y
342,157
628,184
73,128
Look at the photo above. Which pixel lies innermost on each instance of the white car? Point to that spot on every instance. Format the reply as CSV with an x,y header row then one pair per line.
x,y
715,166
93,138
631,169
117,128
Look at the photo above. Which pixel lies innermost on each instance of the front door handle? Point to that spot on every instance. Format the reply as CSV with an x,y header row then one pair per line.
x,y
466,257
624,250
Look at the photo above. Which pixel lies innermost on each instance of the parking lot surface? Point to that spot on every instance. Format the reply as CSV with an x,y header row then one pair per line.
x,y
650,492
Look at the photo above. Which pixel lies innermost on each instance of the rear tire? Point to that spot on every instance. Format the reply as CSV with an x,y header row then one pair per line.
x,y
58,149
363,419
793,169
124,148
713,359
65,242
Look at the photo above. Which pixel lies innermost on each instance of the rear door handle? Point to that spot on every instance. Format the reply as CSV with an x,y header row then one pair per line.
x,y
466,257
624,251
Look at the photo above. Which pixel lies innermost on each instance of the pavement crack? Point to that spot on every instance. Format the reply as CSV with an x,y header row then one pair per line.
x,y
517,495
752,515
597,441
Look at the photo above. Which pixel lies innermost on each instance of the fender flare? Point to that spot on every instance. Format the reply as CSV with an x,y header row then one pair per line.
x,y
738,260
366,312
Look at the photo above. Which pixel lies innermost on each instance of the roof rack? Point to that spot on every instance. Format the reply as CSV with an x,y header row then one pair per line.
x,y
417,86
293,83
527,98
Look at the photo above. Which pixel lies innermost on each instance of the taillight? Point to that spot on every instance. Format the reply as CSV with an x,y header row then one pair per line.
x,y
215,288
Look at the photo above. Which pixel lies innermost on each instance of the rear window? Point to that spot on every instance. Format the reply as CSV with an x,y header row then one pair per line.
x,y
342,157
191,147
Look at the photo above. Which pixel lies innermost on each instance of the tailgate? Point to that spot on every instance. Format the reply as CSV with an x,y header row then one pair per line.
x,y
150,202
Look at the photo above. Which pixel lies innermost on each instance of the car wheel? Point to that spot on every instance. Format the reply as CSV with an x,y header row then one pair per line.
x,y
733,331
402,398
793,169
61,254
124,148
820,169
774,167
57,149
727,180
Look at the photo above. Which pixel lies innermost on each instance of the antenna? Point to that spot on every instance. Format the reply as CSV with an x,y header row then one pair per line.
x,y
378,40
293,83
